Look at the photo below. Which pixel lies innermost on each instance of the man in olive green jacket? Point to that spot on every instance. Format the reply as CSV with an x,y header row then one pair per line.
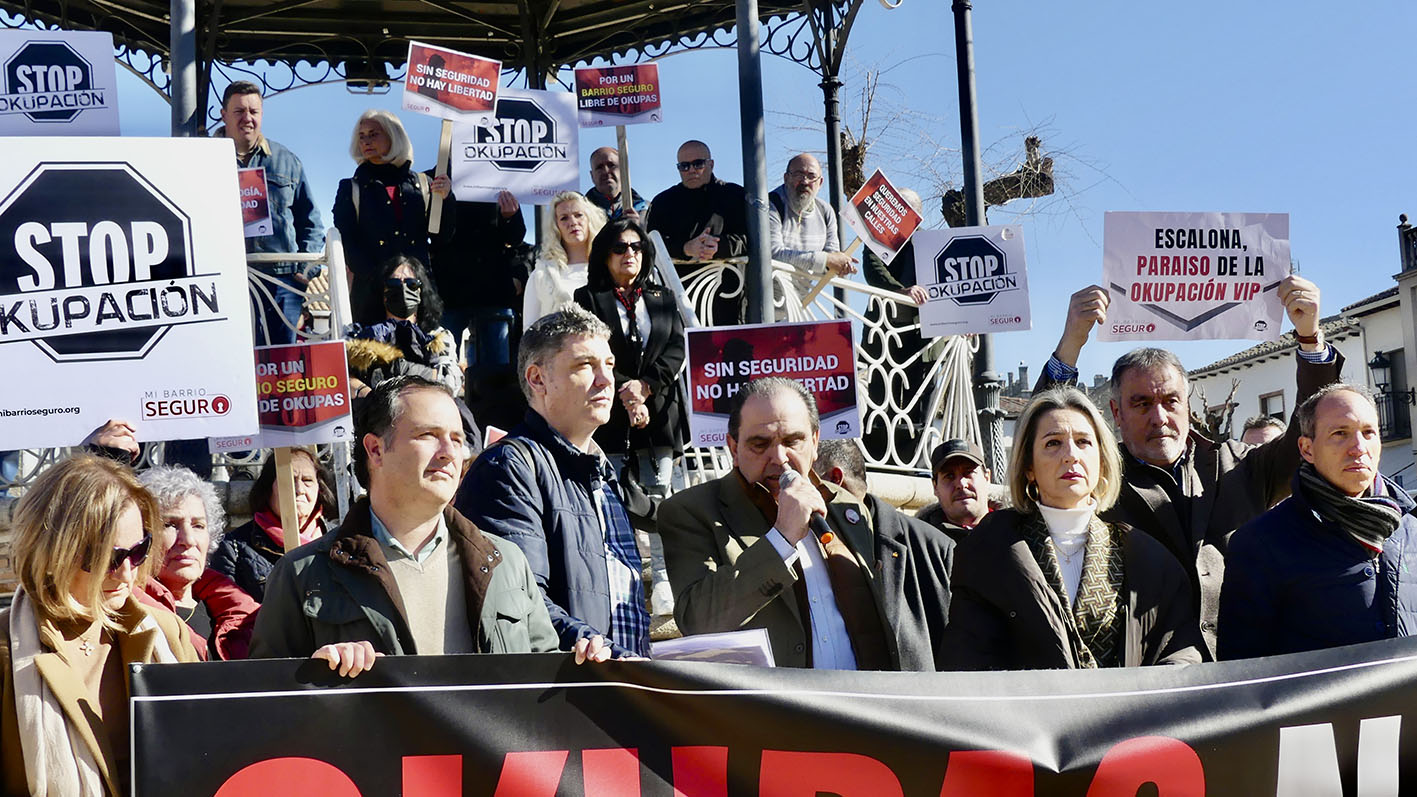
x,y
405,573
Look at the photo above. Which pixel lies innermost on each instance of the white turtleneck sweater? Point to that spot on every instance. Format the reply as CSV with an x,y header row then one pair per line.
x,y
1068,528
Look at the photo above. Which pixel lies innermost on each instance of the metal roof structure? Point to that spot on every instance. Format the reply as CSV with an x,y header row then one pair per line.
x,y
314,41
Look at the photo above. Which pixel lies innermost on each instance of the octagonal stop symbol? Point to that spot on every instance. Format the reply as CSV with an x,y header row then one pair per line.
x,y
76,225
48,68
522,121
970,257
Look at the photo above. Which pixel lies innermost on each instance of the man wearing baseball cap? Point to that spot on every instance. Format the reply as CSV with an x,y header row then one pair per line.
x,y
962,486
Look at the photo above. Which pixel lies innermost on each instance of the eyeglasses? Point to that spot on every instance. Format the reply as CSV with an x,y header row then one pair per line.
x,y
136,555
403,282
807,177
696,163
621,247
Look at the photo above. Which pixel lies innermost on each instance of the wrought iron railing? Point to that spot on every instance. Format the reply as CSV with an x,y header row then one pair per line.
x,y
913,393
1394,416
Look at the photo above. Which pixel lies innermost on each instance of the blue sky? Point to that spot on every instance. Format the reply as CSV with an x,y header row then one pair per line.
x,y
1303,107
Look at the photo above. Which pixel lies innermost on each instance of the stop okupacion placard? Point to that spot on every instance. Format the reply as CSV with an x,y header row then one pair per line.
x,y
122,290
975,280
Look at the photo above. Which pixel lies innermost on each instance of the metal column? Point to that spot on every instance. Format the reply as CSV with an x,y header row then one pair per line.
x,y
986,382
758,276
186,113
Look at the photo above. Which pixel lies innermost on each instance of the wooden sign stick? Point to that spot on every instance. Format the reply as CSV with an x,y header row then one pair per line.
x,y
285,487
627,201
827,277
445,149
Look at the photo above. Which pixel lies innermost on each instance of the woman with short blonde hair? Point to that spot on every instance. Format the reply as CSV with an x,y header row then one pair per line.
x,y
1050,584
562,260
383,211
400,150
81,537
1109,476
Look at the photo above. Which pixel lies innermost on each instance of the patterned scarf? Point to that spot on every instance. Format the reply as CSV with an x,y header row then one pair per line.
x,y
628,298
1093,625
1369,520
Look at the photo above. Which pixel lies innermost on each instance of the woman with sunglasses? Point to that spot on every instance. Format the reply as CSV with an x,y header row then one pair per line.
x,y
409,339
220,615
81,535
561,260
383,210
647,339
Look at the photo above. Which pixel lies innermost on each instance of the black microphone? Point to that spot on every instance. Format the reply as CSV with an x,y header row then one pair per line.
x,y
817,523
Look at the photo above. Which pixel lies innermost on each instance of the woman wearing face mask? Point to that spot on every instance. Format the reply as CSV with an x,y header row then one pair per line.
x,y
565,251
383,210
1048,584
220,615
248,552
81,534
409,339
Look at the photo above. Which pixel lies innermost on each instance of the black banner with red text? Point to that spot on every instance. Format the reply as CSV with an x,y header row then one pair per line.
x,y
1320,723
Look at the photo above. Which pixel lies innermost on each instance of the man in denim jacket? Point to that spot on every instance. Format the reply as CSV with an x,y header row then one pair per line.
x,y
294,220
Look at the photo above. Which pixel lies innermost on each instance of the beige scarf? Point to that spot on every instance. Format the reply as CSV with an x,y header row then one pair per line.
x,y
57,761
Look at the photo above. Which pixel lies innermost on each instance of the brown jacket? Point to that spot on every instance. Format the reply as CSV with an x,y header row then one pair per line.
x,y
136,648
1224,485
1004,616
727,575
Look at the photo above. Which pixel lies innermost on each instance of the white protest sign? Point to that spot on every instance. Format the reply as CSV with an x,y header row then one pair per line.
x,y
122,290
57,83
976,279
530,147
1194,276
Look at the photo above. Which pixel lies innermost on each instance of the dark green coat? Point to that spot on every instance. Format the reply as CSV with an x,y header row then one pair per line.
x,y
339,589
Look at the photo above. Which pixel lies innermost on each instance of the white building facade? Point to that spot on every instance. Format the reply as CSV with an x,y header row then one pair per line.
x,y
1263,376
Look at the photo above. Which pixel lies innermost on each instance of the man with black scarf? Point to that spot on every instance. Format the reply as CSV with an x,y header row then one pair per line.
x,y
1335,563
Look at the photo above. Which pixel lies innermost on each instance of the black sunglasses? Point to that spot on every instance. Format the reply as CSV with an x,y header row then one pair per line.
x,y
403,282
621,247
696,163
137,554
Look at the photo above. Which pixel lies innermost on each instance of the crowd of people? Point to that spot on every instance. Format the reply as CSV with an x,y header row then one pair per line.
x,y
1150,545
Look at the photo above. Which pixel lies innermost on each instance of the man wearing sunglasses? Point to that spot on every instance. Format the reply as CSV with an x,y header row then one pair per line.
x,y
803,228
703,217
404,573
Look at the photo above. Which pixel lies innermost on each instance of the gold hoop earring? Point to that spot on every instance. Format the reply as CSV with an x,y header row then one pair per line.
x,y
1035,496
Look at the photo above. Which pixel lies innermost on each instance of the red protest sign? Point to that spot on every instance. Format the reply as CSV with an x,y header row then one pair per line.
x,y
255,201
449,84
818,354
302,397
882,217
618,95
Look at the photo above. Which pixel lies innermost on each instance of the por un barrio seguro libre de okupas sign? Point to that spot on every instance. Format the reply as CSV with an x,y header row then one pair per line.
x,y
1194,276
122,290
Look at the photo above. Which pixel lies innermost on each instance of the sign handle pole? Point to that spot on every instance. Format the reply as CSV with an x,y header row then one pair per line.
x,y
627,202
445,149
285,486
827,277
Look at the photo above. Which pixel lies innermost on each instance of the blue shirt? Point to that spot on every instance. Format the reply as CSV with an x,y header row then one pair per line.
x,y
393,549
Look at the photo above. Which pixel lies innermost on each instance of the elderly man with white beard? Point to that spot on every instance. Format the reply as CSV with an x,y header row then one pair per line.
x,y
803,228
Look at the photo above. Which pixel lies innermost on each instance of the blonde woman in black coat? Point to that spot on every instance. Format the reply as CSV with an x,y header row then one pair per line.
x,y
1048,584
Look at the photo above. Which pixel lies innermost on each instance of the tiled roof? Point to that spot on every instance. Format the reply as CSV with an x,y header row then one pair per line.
x,y
1333,326
1375,297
